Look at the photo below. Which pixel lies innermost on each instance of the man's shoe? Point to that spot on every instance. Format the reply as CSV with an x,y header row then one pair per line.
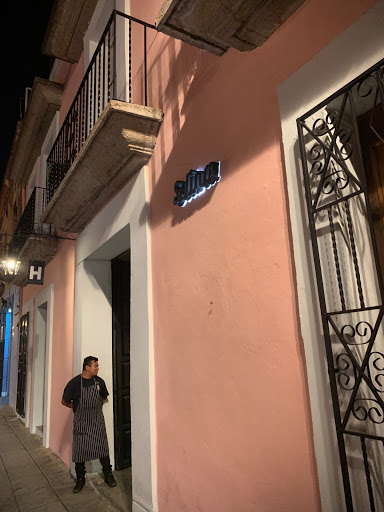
x,y
109,480
80,482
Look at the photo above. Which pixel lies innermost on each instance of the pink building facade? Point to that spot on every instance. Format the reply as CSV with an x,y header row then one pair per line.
x,y
205,318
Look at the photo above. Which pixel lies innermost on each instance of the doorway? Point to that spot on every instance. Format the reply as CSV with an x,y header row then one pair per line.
x,y
22,368
371,130
121,347
39,371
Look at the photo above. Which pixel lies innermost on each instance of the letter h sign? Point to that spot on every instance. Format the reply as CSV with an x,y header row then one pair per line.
x,y
36,272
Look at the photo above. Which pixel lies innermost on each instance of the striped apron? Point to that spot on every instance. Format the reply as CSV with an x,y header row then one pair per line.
x,y
89,433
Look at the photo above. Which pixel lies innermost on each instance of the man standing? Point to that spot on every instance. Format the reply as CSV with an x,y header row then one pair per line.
x,y
85,394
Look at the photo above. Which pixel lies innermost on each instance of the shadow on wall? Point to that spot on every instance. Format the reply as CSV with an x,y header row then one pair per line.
x,y
226,108
216,108
97,269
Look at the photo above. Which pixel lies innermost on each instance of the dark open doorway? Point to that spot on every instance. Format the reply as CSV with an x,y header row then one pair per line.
x,y
371,130
22,371
121,305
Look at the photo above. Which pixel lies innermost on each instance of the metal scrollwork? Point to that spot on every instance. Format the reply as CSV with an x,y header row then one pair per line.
x,y
322,126
345,150
381,75
362,410
343,365
332,118
365,88
335,180
315,154
361,329
376,360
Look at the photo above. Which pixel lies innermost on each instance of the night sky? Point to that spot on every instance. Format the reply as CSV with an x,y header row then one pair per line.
x,y
23,26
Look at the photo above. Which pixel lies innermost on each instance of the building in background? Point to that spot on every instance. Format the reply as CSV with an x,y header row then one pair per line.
x,y
209,215
11,208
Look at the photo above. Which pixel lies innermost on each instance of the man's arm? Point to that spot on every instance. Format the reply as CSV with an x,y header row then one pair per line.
x,y
68,395
103,391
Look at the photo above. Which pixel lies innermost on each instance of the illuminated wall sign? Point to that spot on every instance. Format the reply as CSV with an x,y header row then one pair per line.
x,y
196,183
36,272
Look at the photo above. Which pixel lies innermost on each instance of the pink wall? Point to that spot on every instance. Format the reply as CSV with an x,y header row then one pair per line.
x,y
232,409
61,273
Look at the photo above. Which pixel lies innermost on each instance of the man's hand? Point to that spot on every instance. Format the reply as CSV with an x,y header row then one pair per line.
x,y
67,404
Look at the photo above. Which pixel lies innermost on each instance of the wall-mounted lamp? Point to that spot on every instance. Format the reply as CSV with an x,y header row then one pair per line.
x,y
196,183
11,266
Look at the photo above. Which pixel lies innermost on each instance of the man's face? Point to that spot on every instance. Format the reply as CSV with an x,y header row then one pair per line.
x,y
94,368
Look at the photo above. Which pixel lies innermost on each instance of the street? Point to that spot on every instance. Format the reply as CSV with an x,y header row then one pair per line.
x,y
33,478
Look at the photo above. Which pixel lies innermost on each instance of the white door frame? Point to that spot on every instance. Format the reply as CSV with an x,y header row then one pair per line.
x,y
45,296
122,223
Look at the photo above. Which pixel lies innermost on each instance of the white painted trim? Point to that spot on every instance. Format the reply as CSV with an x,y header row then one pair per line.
x,y
347,56
138,508
93,34
47,296
151,349
124,223
20,418
28,307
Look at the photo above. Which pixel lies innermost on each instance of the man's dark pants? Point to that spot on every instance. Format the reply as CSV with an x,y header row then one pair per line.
x,y
105,464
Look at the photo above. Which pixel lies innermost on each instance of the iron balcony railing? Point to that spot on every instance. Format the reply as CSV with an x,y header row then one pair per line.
x,y
29,224
97,88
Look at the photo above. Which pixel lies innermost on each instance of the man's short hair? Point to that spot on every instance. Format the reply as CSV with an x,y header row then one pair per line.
x,y
88,361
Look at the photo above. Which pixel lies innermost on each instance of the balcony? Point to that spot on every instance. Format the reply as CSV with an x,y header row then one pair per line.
x,y
43,103
217,25
31,239
105,138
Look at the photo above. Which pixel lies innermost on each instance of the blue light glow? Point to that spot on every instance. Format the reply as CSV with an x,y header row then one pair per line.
x,y
8,322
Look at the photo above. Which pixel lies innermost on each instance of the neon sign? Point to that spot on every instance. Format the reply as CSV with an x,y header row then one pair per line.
x,y
196,183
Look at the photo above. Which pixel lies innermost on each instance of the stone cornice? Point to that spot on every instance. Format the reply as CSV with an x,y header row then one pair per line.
x,y
66,28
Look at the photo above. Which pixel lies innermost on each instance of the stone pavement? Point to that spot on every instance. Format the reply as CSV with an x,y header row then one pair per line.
x,y
33,478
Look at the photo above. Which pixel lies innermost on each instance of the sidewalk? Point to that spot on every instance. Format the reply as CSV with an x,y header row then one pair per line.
x,y
32,478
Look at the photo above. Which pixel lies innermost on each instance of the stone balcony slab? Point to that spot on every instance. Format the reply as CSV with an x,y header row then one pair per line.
x,y
120,143
66,28
36,247
217,25
44,102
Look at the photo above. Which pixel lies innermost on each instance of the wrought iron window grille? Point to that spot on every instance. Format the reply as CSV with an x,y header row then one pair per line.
x,y
349,268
